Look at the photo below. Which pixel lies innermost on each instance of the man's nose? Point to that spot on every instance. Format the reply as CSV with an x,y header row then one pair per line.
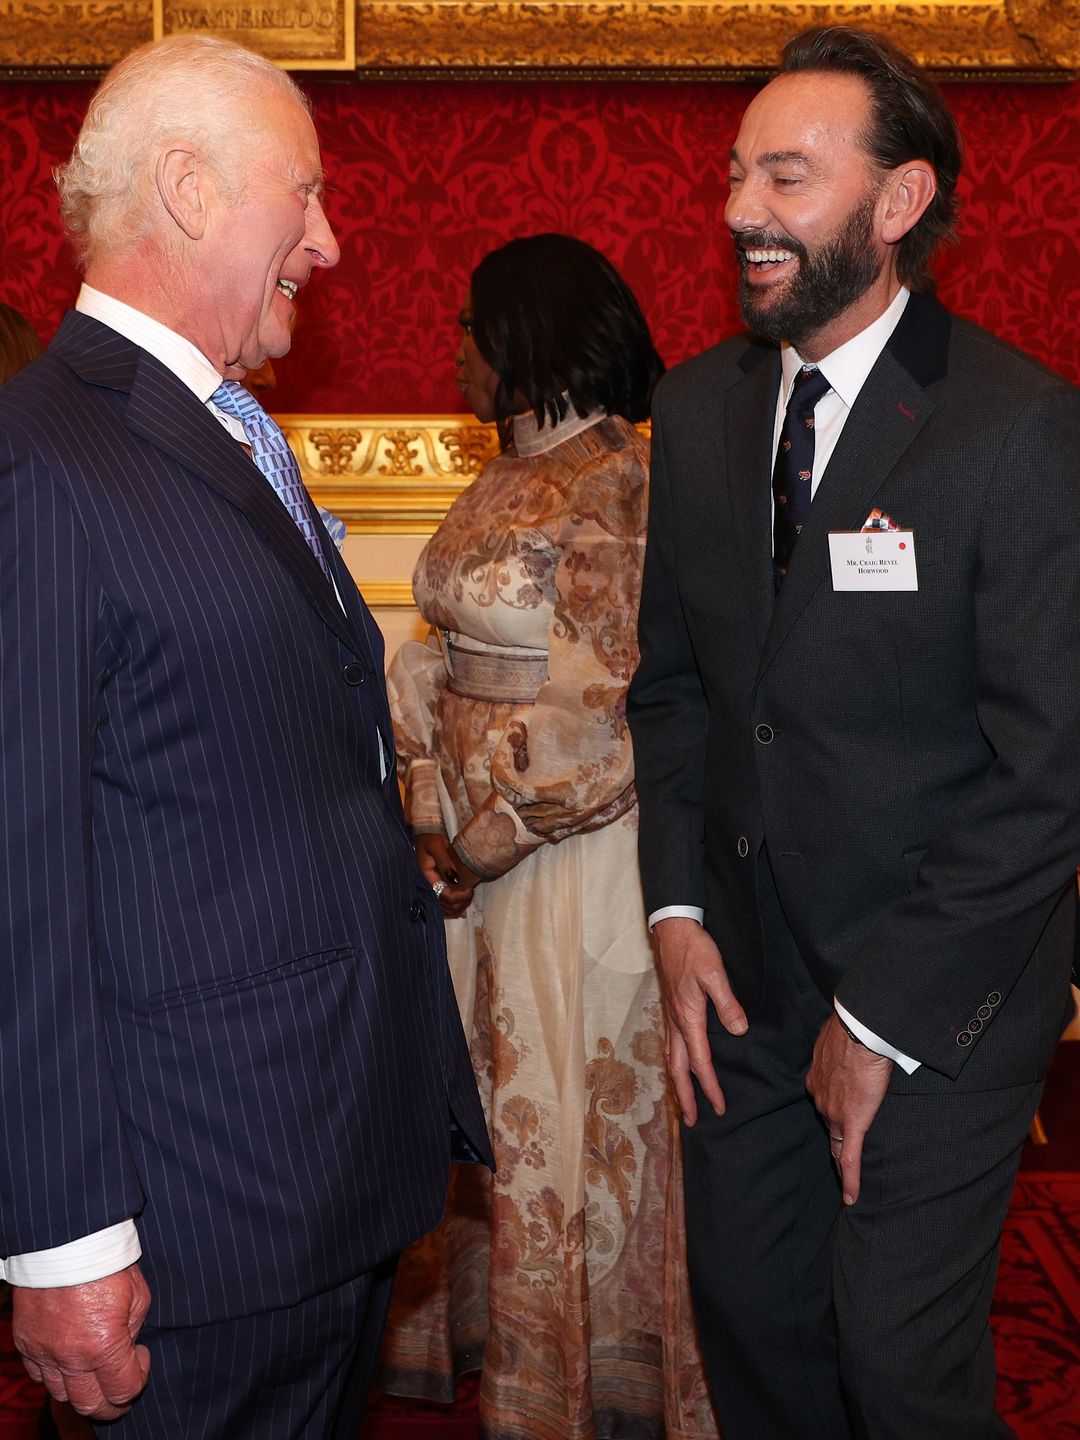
x,y
319,239
746,208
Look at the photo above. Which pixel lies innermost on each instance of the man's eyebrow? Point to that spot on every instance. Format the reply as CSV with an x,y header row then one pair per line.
x,y
777,157
785,157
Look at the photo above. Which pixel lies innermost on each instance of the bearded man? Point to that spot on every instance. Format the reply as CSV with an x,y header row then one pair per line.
x,y
858,753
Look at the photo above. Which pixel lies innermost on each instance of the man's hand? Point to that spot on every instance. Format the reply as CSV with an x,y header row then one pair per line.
x,y
79,1341
691,973
438,863
848,1083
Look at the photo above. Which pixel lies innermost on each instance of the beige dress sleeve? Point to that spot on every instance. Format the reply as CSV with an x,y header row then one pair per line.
x,y
564,765
416,677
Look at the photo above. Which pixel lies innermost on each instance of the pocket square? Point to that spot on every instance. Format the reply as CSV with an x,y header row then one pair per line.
x,y
878,520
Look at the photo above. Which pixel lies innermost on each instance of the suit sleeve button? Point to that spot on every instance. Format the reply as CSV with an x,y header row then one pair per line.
x,y
764,734
974,1024
984,1012
353,674
964,1038
743,847
416,911
994,998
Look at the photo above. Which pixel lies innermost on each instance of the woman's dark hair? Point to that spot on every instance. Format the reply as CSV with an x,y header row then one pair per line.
x,y
553,318
18,342
909,120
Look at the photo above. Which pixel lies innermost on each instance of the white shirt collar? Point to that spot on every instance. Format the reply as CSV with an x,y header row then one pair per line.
x,y
849,364
533,439
176,353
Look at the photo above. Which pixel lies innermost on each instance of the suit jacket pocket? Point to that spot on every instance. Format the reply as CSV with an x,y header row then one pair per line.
x,y
912,861
220,985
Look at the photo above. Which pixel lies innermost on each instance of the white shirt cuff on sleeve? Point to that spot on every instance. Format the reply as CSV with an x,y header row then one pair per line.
x,y
683,912
874,1042
91,1257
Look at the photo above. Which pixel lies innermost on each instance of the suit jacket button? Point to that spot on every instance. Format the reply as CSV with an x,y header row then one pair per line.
x,y
994,998
353,674
416,911
984,1012
964,1038
764,734
974,1024
744,846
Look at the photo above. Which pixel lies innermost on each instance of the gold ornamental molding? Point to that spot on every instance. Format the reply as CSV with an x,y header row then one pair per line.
x,y
646,39
389,474
388,594
694,39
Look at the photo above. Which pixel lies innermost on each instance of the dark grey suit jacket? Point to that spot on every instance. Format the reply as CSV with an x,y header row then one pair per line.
x,y
909,762
226,1005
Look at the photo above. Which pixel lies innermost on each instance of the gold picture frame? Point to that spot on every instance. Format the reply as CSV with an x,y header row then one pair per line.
x,y
642,39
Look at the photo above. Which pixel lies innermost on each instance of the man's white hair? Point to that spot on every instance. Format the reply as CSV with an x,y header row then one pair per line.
x,y
184,88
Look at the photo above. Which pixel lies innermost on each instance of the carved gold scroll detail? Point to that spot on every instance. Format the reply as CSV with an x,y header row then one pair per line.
x,y
645,38
393,474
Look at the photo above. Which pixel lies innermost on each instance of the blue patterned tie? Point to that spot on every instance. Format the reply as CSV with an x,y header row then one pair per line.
x,y
271,453
794,468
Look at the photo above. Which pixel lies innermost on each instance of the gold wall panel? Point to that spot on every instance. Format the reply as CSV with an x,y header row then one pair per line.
x,y
389,474
643,38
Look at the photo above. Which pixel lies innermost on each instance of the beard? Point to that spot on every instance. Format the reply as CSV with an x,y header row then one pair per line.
x,y
828,279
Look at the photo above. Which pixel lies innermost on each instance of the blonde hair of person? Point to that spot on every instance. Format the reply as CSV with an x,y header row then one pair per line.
x,y
191,89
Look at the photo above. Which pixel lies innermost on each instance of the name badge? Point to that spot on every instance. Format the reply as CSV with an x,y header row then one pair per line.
x,y
873,560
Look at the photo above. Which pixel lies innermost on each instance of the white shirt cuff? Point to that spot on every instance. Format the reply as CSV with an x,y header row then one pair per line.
x,y
91,1257
874,1042
682,912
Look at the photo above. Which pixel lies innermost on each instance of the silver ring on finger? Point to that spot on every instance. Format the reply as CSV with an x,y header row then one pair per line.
x,y
439,887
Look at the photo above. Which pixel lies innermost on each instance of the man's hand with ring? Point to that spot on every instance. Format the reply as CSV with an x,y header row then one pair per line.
x,y
848,1083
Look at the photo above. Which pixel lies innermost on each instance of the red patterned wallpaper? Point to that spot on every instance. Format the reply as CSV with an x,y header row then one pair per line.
x,y
423,178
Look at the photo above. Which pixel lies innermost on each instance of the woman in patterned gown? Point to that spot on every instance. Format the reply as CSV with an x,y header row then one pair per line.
x,y
563,1274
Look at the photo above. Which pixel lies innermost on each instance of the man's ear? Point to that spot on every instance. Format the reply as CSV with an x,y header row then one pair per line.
x,y
907,193
179,186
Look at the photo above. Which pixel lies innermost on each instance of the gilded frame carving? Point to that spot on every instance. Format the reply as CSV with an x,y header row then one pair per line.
x,y
645,39
389,474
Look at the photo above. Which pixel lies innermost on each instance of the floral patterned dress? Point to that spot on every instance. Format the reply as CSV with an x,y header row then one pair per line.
x,y
564,1274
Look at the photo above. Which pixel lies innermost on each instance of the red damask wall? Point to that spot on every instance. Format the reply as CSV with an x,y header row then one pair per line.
x,y
423,178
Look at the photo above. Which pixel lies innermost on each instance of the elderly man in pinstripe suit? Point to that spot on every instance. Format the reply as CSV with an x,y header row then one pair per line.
x,y
231,1068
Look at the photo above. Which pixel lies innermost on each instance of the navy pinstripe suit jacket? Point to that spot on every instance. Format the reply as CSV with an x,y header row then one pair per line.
x,y
226,1006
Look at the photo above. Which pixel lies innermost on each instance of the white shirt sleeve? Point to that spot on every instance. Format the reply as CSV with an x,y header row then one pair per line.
x,y
682,912
90,1258
874,1042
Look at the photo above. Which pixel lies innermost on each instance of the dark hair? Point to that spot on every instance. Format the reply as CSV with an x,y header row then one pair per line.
x,y
909,120
19,343
553,317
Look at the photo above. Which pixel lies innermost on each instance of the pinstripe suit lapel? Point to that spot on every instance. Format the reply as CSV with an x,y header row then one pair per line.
x,y
162,410
892,408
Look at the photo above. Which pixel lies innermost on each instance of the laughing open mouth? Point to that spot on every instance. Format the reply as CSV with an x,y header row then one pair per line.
x,y
288,288
768,257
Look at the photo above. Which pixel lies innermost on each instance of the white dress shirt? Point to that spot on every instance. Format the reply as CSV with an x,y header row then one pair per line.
x,y
846,370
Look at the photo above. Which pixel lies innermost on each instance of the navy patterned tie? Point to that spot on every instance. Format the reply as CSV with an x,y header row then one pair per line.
x,y
271,453
794,468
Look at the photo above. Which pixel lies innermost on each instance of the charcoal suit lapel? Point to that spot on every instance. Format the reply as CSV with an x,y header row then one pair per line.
x,y
749,414
163,411
891,410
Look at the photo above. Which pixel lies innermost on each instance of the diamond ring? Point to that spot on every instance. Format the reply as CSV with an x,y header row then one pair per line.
x,y
439,887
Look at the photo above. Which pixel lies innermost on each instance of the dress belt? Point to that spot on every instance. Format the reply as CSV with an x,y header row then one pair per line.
x,y
487,675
